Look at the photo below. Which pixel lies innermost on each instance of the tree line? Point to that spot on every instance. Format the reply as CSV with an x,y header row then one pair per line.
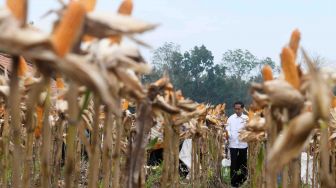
x,y
195,73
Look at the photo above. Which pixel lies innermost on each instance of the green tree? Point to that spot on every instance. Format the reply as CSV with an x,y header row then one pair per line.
x,y
197,63
200,79
240,63
165,58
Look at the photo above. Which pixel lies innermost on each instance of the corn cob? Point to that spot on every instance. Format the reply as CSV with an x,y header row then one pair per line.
x,y
334,102
115,39
87,38
38,128
89,4
59,81
69,28
267,73
23,68
289,67
294,41
250,114
125,8
59,84
124,104
19,9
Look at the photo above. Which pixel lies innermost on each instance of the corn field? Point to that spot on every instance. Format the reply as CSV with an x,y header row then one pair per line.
x,y
74,112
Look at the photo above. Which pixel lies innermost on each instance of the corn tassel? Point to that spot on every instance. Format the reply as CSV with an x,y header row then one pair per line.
x,y
69,28
23,67
267,73
289,67
294,41
18,9
39,114
125,8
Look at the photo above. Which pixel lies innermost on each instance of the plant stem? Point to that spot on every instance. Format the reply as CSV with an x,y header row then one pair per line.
x,y
71,135
94,159
107,148
46,143
31,102
14,104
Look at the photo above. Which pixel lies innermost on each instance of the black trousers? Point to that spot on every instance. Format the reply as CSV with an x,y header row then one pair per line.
x,y
238,168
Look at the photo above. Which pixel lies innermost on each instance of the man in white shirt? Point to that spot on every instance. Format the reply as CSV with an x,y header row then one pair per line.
x,y
238,149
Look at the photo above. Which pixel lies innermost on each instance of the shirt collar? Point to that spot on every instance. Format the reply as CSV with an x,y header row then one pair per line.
x,y
236,116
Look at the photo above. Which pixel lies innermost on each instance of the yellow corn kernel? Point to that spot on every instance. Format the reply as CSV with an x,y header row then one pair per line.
x,y
333,104
124,104
267,73
89,4
87,38
250,114
289,67
23,67
294,41
126,7
59,81
18,9
115,39
69,28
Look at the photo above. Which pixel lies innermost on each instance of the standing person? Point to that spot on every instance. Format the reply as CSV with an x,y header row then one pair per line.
x,y
238,148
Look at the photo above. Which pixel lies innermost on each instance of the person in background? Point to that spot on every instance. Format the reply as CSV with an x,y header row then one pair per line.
x,y
238,148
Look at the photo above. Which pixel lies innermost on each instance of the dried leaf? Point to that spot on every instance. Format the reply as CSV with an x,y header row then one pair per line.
x,y
112,24
125,8
282,94
187,105
14,39
332,136
291,141
130,81
86,74
163,105
4,91
320,91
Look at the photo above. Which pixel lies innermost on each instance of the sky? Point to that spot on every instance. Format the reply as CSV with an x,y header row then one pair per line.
x,y
261,26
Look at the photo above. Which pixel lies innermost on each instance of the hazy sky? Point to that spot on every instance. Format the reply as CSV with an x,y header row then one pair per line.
x,y
260,26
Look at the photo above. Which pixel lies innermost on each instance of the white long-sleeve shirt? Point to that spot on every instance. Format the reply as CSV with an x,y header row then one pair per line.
x,y
235,123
